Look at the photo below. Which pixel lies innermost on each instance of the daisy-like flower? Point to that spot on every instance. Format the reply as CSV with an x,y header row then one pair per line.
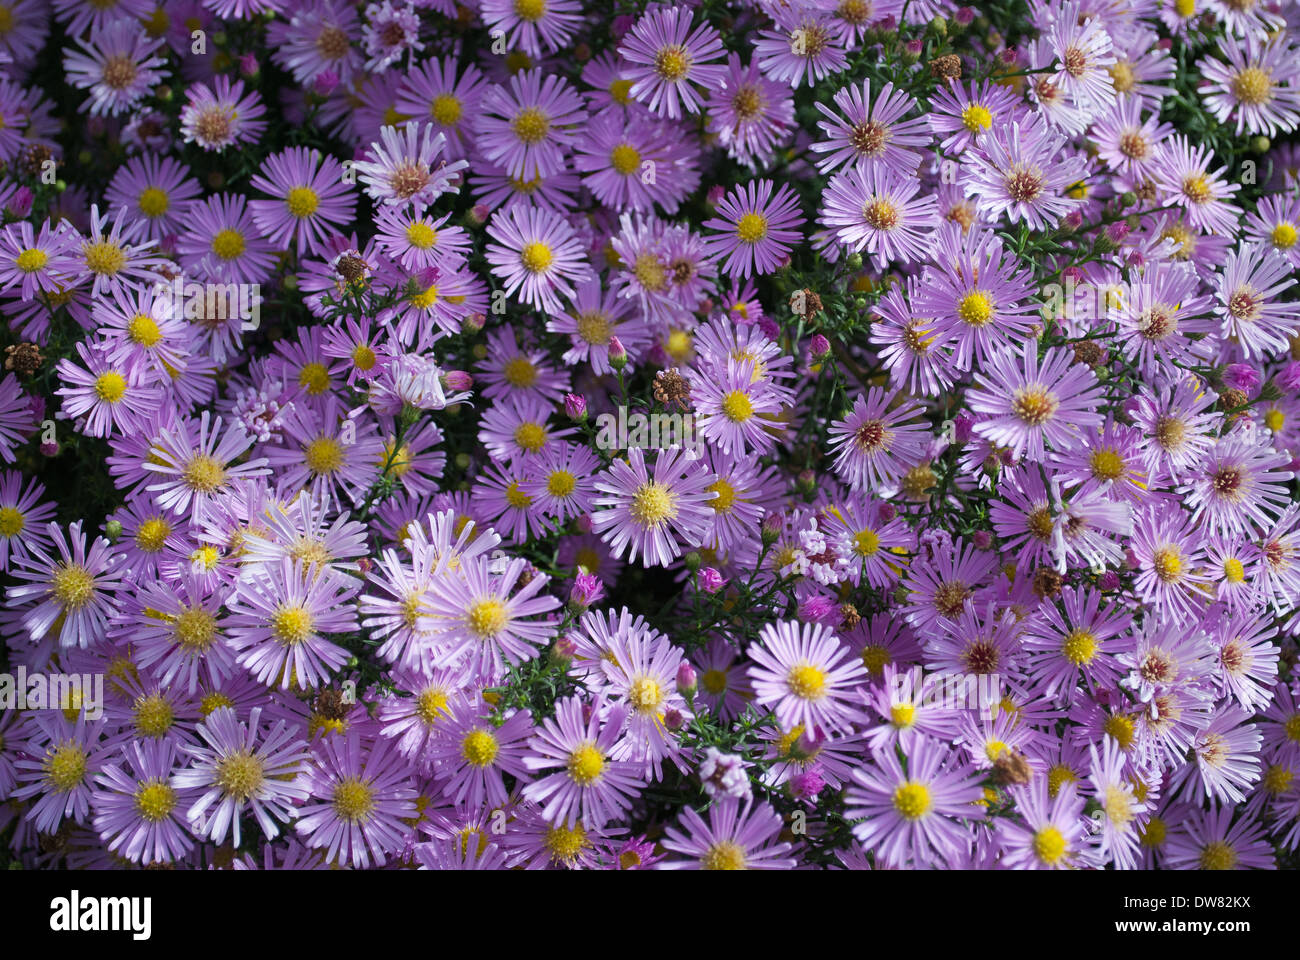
x,y
222,244
963,116
757,228
23,518
73,594
1020,170
1054,830
874,210
805,46
403,173
1178,423
222,115
534,26
565,481
1168,549
588,786
805,675
157,190
58,765
473,753
1122,812
1275,223
875,445
116,256
138,809
1128,143
870,132
1250,303
312,199
317,39
1224,759
669,61
1185,179
652,513
179,631
1082,48
1210,840
494,619
1077,642
432,91
910,817
364,797
634,165
278,621
1238,485
1260,85
1033,403
750,114
390,32
240,767
103,396
737,410
31,261
640,674
197,462
737,837
527,125
117,65
537,254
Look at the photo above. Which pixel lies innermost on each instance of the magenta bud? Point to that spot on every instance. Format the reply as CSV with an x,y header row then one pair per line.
x,y
50,449
473,323
587,589
982,539
964,16
1108,581
715,195
365,565
20,204
820,347
575,407
617,353
674,719
457,381
565,647
686,678
479,213
887,512
248,65
327,82
583,523
711,581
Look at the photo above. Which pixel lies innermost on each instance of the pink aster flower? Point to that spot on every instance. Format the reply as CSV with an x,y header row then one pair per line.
x,y
1035,403
279,620
403,171
363,796
805,675
875,445
118,66
757,229
669,62
526,125
871,132
589,785
538,255
222,115
651,513
736,837
872,210
1185,179
138,809
912,817
243,766
73,594
312,199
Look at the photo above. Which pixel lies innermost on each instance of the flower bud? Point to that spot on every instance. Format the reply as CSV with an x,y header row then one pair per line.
x,y
770,531
711,581
617,353
686,679
674,719
248,65
575,407
20,204
692,561
456,381
819,348
113,530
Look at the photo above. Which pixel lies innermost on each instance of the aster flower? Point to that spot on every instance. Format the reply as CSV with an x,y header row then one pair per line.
x,y
669,61
196,465
433,91
875,444
492,616
221,115
805,47
872,134
363,798
317,39
278,621
534,26
1019,171
1260,85
403,173
1035,402
58,766
527,125
750,114
1236,484
1249,297
1211,840
474,753
911,817
1185,180
736,837
242,766
757,228
138,810
117,65
311,199
1168,552
650,513
804,674
32,261
874,210
538,255
1053,835
23,519
73,594
589,787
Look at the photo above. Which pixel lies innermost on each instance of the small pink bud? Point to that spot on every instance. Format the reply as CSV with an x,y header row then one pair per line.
x,y
686,678
575,407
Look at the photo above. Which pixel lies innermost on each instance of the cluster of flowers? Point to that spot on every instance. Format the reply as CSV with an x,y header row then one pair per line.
x,y
331,298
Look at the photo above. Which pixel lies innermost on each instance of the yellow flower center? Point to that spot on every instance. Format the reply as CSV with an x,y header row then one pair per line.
x,y
291,625
195,629
1283,236
153,533
672,63
73,586
561,483
531,125
751,228
479,748
240,775
1080,647
104,258
65,767
1049,845
1106,464
110,386
154,800
488,617
353,799
530,436
12,522
31,260
976,118
645,695
1253,86
446,110
323,455
302,202
806,682
585,764
153,715
736,406
723,855
625,159
154,202
229,244
421,236
912,800
1217,855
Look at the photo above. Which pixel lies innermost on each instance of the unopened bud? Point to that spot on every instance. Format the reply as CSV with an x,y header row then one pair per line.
x,y
113,530
575,407
617,353
686,678
819,348
457,381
